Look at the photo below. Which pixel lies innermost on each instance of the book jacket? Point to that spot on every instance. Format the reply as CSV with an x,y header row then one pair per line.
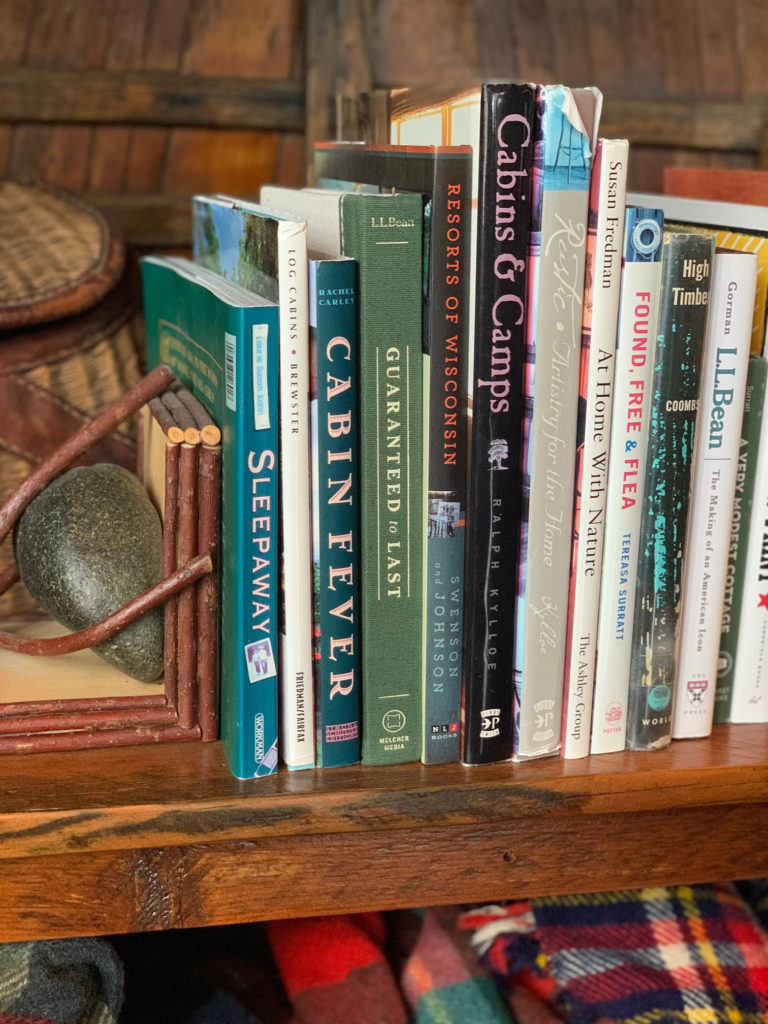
x,y
602,279
495,490
222,342
564,151
635,347
335,509
683,305
713,482
751,429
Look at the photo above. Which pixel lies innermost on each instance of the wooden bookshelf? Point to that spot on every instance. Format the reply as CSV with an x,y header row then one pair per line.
x,y
142,838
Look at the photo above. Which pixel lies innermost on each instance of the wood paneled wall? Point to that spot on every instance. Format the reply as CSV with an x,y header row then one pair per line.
x,y
139,103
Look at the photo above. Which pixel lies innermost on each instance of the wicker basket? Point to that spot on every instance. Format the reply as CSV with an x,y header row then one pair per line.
x,y
70,334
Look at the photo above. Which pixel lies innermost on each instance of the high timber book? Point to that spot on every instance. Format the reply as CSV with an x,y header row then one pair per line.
x,y
686,267
565,143
602,281
713,482
635,344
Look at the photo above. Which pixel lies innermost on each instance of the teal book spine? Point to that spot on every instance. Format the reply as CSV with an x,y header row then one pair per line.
x,y
335,509
227,355
384,234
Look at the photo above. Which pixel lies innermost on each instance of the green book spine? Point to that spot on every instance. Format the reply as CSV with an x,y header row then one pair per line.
x,y
335,510
384,234
685,269
757,376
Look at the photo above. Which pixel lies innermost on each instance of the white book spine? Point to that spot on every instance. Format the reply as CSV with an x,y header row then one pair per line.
x,y
749,702
601,308
296,674
718,438
636,339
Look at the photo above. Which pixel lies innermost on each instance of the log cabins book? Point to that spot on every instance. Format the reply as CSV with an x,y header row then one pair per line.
x,y
222,342
384,234
267,253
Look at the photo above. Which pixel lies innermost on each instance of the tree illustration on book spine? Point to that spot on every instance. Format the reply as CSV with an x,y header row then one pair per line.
x,y
495,495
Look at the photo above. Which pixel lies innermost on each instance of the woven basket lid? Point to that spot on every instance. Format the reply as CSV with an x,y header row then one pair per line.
x,y
58,255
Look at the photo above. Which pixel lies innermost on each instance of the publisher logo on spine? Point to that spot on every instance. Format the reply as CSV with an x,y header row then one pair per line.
x,y
393,721
489,723
696,688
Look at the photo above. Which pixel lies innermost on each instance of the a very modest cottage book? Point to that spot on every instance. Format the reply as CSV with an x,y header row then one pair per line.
x,y
635,345
221,340
713,483
565,146
443,177
683,304
267,253
384,234
335,508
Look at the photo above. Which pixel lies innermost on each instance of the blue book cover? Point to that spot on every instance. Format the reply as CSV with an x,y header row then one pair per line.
x,y
222,342
335,509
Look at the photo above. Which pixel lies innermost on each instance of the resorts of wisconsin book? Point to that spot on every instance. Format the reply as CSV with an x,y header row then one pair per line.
x,y
685,267
713,482
739,226
384,234
749,688
443,177
602,282
635,345
335,508
565,143
221,340
268,254
751,430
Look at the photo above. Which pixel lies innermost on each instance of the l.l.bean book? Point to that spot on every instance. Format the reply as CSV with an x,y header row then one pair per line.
x,y
565,148
713,482
683,304
335,508
222,342
384,234
267,253
443,177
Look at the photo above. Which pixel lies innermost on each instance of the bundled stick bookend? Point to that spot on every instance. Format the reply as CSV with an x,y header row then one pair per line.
x,y
64,703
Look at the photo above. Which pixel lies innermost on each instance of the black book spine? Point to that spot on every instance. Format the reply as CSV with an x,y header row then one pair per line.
x,y
686,268
496,479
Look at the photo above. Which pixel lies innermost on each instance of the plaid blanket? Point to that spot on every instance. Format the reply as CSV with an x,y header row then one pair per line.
x,y
694,954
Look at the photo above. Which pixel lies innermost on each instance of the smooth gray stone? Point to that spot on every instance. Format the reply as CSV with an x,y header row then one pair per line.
x,y
87,544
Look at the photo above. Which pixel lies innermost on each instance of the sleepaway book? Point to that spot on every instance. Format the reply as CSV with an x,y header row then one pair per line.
x,y
221,340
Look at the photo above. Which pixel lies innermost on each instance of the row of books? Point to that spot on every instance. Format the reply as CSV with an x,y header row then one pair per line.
x,y
447,587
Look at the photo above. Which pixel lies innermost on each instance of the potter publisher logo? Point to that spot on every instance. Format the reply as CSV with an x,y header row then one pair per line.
x,y
613,713
696,688
489,723
394,721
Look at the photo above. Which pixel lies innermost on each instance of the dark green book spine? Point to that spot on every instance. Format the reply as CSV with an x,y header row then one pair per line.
x,y
384,234
447,337
686,267
336,510
757,376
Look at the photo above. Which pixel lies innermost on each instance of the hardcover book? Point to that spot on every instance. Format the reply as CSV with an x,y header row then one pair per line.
x,y
384,234
505,158
268,254
335,509
602,281
635,347
222,342
733,225
751,430
749,689
716,454
683,305
565,145
443,176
